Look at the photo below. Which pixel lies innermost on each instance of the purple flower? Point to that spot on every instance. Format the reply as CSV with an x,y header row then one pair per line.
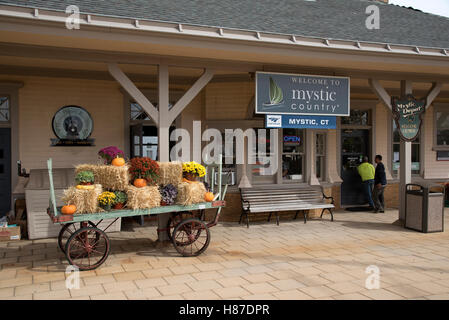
x,y
168,193
110,153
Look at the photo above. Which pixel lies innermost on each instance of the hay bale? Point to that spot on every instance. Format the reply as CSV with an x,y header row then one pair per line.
x,y
143,198
169,173
86,201
110,177
189,193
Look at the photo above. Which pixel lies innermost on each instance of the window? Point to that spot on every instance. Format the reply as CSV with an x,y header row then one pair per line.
x,y
396,151
357,117
137,113
292,154
442,127
229,162
320,154
143,133
258,170
4,109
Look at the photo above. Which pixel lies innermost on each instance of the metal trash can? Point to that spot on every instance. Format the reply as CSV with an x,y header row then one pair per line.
x,y
424,208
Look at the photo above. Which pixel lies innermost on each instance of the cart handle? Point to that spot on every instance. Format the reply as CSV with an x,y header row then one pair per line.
x,y
52,188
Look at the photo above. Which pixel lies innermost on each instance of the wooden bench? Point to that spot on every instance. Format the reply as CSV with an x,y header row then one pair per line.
x,y
274,199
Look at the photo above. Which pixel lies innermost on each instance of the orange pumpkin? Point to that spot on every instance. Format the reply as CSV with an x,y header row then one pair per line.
x,y
140,183
69,209
118,162
209,196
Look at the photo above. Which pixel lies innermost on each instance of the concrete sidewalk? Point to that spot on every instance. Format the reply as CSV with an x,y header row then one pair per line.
x,y
317,260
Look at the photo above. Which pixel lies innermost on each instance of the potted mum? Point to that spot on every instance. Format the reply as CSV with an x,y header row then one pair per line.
x,y
192,170
110,153
143,170
106,200
120,199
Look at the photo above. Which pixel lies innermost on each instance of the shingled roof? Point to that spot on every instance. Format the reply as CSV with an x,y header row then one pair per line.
x,y
331,19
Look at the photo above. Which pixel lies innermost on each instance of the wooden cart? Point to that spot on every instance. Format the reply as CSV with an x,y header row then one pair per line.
x,y
87,247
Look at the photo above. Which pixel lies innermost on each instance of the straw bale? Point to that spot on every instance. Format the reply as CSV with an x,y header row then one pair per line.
x,y
86,201
189,193
143,198
170,173
110,177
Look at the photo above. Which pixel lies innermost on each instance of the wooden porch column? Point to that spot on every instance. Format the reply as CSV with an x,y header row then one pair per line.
x,y
405,158
164,116
310,158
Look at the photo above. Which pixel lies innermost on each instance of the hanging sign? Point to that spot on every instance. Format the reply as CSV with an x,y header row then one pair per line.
x,y
300,122
407,113
296,94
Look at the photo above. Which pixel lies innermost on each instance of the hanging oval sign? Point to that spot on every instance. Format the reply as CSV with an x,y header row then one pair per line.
x,y
407,113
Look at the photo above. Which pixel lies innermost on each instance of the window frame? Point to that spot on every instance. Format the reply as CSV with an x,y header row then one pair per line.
x,y
324,176
438,108
395,173
6,124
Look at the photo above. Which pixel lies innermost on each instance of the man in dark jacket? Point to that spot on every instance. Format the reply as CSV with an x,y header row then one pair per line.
x,y
380,181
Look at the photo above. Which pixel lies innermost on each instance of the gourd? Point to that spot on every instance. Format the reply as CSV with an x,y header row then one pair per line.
x,y
118,162
140,183
68,209
209,196
85,187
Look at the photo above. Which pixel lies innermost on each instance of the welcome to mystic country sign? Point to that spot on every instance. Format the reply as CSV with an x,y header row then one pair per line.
x,y
296,94
407,113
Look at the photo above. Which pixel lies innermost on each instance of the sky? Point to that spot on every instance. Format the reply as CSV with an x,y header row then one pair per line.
x,y
440,7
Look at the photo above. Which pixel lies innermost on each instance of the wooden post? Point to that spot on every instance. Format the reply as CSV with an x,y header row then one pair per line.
x,y
405,158
310,154
163,136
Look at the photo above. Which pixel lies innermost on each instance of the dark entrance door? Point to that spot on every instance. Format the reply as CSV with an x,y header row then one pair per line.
x,y
5,171
354,145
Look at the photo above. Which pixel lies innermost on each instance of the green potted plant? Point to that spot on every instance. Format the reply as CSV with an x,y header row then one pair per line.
x,y
120,199
85,178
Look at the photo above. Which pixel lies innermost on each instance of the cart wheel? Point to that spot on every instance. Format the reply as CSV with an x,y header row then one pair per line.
x,y
175,219
191,237
66,231
87,248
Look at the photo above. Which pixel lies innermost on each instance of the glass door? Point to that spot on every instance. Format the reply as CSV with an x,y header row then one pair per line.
x,y
354,145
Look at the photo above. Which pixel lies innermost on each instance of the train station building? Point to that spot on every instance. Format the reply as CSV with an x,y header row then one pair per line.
x,y
136,71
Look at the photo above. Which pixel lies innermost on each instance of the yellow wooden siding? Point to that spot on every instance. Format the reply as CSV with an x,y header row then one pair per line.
x,y
40,98
433,169
228,100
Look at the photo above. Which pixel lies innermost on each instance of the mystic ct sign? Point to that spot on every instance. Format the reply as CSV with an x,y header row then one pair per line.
x,y
295,94
300,122
407,113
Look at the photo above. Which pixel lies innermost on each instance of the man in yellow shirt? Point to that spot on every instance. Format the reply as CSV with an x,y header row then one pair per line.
x,y
366,171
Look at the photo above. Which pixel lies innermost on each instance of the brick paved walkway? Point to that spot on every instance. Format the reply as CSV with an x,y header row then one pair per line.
x,y
319,260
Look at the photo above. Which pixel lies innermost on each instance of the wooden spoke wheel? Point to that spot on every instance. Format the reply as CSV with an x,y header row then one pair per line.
x,y
175,219
191,237
87,248
67,230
